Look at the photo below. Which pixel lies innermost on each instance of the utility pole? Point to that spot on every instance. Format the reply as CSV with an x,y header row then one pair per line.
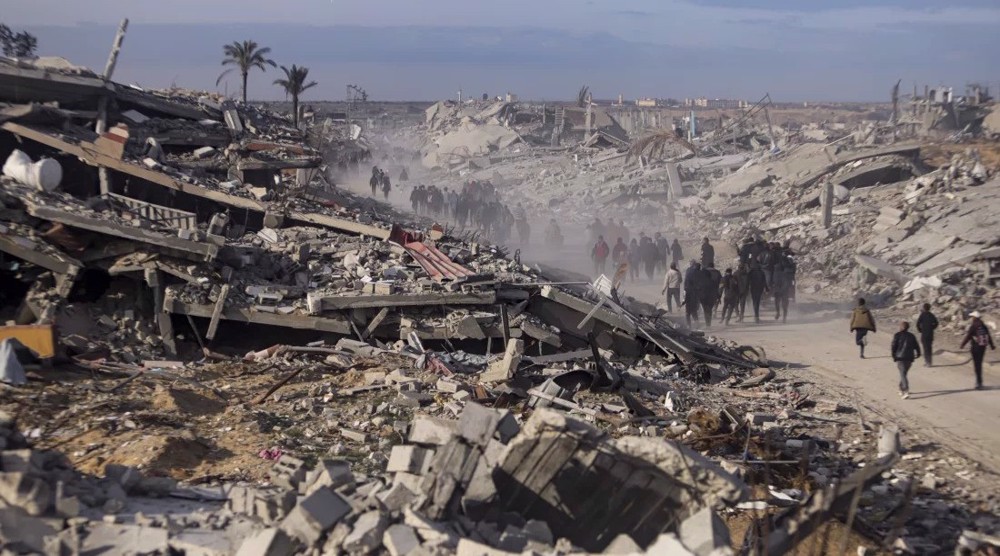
x,y
102,107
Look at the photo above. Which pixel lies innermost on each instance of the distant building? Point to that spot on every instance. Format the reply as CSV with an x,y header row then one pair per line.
x,y
717,103
511,97
647,102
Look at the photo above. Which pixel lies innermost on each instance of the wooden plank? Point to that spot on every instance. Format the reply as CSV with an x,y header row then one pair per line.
x,y
377,320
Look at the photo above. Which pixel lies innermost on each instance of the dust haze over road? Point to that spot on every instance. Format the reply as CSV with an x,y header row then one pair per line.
x,y
815,345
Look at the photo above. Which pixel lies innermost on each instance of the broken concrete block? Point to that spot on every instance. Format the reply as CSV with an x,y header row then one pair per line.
x,y
268,542
408,459
479,424
330,473
22,534
396,497
108,538
21,461
314,515
623,544
367,533
356,436
431,431
704,532
506,367
28,493
469,547
201,542
400,540
290,472
668,543
447,386
409,480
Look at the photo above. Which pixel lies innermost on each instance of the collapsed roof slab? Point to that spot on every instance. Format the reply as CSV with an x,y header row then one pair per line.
x,y
338,302
93,156
172,304
204,251
27,85
36,252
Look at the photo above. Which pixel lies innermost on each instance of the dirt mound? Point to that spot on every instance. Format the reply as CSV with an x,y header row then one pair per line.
x,y
185,401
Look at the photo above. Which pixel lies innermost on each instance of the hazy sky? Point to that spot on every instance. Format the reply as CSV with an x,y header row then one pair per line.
x,y
543,49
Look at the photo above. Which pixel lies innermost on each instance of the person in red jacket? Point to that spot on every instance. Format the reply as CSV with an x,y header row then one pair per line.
x,y
599,254
978,337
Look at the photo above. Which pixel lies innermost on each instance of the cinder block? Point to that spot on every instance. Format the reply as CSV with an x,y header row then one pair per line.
x,y
396,497
408,459
268,542
367,533
290,472
314,515
400,540
431,431
330,473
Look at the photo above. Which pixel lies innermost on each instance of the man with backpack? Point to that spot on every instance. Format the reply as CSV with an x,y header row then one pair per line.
x,y
978,337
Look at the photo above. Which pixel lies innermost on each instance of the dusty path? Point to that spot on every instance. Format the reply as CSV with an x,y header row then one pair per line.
x,y
817,347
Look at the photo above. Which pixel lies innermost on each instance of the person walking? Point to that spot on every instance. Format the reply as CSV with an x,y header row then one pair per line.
x,y
633,259
905,350
978,337
862,322
730,295
676,254
707,254
375,180
927,323
692,291
619,255
662,252
672,287
599,254
711,281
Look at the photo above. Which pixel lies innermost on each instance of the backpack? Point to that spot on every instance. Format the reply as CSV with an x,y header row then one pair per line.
x,y
981,337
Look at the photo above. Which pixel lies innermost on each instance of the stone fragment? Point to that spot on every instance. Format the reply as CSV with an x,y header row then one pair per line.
x,y
267,542
400,540
367,533
314,515
704,532
408,459
431,431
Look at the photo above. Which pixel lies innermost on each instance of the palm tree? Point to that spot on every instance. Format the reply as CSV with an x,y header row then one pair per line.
x,y
245,56
295,84
581,96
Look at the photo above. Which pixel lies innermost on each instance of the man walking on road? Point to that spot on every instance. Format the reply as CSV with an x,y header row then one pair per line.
x,y
978,337
927,323
862,322
600,254
904,351
672,287
707,254
692,291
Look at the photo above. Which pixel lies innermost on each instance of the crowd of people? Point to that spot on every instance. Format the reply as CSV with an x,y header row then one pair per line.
x,y
380,180
477,205
762,268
